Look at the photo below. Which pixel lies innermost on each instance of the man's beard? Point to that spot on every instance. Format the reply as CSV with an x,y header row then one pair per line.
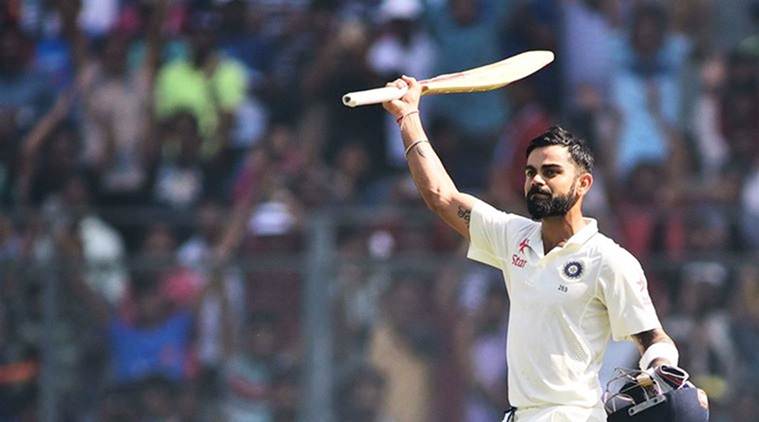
x,y
541,207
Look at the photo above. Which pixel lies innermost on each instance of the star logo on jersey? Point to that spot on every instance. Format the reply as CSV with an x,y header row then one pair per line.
x,y
518,261
573,269
523,244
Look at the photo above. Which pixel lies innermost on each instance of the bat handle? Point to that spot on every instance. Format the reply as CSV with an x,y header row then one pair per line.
x,y
373,96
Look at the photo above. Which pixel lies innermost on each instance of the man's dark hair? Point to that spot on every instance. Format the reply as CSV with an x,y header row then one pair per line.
x,y
557,135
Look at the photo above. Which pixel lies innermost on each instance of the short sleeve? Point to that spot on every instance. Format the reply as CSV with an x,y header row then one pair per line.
x,y
624,291
488,234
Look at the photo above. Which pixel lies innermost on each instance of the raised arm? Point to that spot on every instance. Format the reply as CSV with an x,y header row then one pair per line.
x,y
433,182
69,10
223,251
32,143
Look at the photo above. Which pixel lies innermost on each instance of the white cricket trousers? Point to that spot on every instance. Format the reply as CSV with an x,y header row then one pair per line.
x,y
559,414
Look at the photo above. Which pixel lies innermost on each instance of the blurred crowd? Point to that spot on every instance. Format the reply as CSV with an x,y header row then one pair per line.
x,y
155,152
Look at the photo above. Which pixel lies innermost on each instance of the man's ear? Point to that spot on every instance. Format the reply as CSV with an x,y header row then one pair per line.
x,y
584,183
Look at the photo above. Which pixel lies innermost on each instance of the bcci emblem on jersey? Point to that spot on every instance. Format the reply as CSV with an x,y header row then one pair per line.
x,y
573,270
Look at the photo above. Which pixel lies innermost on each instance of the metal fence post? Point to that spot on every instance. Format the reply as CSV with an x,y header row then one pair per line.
x,y
317,325
48,403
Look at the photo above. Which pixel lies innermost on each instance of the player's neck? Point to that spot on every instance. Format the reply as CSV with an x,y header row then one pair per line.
x,y
557,230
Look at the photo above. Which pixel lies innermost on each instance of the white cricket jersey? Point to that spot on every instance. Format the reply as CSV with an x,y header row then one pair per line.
x,y
564,305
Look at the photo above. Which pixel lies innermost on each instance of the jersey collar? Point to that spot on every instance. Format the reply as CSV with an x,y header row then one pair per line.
x,y
591,228
579,238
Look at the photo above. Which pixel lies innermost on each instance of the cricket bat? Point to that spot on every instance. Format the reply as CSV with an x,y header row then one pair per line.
x,y
478,79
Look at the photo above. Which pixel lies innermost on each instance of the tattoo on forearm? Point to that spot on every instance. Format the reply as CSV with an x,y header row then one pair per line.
x,y
465,214
646,338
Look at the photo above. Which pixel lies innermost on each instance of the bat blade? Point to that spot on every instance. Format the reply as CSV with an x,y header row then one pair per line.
x,y
489,77
479,79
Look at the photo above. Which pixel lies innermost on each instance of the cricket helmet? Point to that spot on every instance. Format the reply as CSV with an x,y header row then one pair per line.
x,y
660,395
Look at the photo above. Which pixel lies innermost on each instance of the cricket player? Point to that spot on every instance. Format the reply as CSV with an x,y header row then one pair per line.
x,y
571,287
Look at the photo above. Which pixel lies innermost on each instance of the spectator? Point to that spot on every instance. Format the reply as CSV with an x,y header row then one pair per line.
x,y
118,113
534,25
180,178
312,185
178,284
350,176
647,228
359,300
253,174
529,119
197,251
103,249
207,84
588,29
401,48
241,36
466,34
25,96
276,217
219,316
154,341
48,161
223,152
113,141
712,145
701,327
708,230
590,117
401,346
645,89
739,107
299,36
487,358
248,376
151,335
284,149
340,67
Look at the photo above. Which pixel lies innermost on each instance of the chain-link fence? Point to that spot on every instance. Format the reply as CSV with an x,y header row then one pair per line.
x,y
354,315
